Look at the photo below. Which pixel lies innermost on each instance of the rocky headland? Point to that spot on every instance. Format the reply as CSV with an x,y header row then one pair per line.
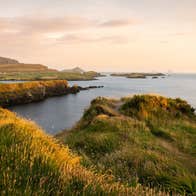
x,y
27,92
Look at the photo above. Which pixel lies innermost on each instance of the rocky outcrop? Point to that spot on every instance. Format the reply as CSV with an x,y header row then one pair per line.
x,y
22,93
88,87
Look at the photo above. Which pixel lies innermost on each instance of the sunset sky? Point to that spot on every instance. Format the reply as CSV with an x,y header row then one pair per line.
x,y
102,35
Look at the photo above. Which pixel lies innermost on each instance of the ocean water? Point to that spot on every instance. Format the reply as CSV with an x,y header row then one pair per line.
x,y
59,113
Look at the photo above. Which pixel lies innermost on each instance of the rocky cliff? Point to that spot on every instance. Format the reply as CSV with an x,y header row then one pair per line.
x,y
21,93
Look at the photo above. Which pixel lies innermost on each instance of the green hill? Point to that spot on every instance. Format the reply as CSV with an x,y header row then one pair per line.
x,y
143,139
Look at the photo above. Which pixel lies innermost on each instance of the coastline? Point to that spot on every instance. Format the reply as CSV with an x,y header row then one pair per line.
x,y
23,93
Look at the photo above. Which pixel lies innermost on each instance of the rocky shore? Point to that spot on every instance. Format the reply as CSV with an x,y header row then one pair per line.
x,y
23,93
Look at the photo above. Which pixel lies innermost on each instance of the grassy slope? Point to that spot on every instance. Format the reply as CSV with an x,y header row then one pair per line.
x,y
146,139
32,163
48,76
21,67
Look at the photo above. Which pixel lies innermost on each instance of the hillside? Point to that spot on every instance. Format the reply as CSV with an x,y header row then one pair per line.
x,y
33,163
74,70
20,67
4,60
142,139
10,65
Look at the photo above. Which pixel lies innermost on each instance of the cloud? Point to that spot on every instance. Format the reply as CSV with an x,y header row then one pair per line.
x,y
118,23
164,42
76,38
38,31
44,24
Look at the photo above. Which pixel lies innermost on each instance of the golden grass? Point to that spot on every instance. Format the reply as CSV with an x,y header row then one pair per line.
x,y
28,85
33,163
144,138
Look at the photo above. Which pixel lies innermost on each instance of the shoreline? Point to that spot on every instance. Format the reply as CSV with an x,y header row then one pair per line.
x,y
23,93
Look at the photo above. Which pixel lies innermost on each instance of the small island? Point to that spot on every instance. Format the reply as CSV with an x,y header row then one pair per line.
x,y
138,75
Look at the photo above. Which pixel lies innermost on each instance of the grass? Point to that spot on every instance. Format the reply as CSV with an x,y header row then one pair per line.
x,y
32,76
143,139
33,163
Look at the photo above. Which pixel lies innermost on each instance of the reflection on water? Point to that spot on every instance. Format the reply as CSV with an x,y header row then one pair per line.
x,y
58,113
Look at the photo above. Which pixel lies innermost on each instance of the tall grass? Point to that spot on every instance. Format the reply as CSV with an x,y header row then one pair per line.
x,y
148,140
33,163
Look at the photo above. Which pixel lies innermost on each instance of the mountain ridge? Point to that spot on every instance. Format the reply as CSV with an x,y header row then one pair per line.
x,y
12,65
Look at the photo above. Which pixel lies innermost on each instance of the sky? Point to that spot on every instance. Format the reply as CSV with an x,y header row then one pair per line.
x,y
101,35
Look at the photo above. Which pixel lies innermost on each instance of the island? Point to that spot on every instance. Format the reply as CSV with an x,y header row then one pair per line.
x,y
13,70
138,75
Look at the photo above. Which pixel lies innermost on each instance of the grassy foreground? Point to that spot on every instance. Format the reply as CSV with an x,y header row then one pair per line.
x,y
33,163
142,139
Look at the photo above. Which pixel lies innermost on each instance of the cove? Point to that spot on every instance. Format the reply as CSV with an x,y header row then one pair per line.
x,y
59,113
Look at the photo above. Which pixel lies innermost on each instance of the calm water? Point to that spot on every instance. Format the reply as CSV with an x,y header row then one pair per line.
x,y
58,113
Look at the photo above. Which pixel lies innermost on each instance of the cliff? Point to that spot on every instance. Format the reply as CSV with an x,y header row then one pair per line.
x,y
21,93
27,92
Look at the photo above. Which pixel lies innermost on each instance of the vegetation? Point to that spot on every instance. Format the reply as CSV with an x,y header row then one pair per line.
x,y
32,76
142,139
32,163
20,93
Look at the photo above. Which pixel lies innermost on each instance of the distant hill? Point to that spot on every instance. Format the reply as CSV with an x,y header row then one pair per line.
x,y
11,65
75,70
4,60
